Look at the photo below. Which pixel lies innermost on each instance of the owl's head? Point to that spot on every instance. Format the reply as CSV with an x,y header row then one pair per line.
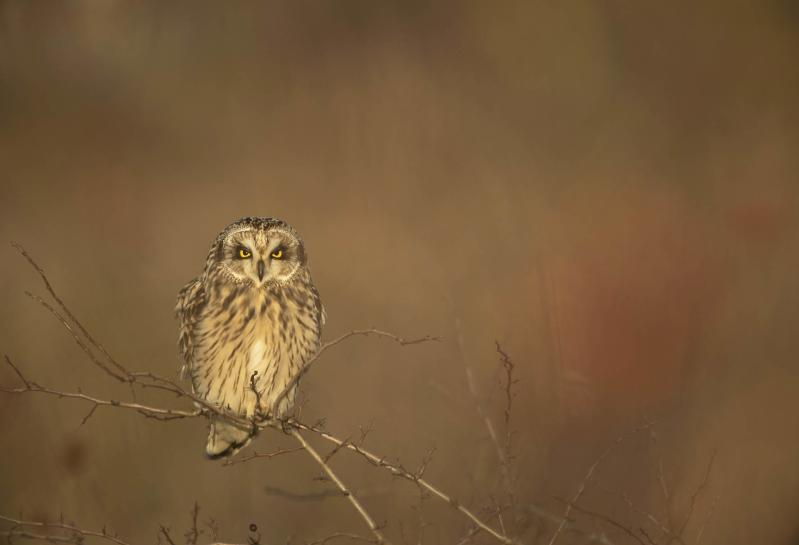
x,y
259,251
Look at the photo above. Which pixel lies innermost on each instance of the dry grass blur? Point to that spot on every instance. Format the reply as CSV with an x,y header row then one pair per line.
x,y
610,190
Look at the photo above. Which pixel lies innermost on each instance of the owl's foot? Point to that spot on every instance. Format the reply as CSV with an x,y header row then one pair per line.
x,y
287,425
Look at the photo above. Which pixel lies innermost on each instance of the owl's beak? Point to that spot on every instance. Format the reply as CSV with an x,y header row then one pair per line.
x,y
260,269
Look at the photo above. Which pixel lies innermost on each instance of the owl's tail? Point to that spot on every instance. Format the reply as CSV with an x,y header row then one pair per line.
x,y
226,438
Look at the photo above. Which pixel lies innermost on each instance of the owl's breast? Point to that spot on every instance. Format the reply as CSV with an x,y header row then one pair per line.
x,y
253,339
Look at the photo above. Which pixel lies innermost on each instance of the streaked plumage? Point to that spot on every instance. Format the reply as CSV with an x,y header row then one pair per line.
x,y
254,309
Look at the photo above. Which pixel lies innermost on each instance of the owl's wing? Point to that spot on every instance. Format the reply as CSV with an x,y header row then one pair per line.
x,y
320,308
191,301
322,313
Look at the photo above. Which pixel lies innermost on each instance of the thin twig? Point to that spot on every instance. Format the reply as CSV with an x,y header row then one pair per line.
x,y
256,454
589,474
341,535
17,371
165,531
63,306
193,533
645,514
696,493
509,367
707,520
605,518
92,357
501,452
470,382
364,332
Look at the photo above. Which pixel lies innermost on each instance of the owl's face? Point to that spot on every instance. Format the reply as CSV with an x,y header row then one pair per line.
x,y
260,254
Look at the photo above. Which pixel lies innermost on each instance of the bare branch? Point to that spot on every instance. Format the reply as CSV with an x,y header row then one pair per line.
x,y
350,496
509,367
660,525
604,518
255,454
341,535
168,414
19,525
88,415
399,471
8,534
74,334
588,477
17,371
146,410
696,493
707,520
149,380
66,310
501,452
193,533
363,332
165,532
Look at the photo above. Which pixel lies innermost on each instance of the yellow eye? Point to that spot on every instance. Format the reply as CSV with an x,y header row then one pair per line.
x,y
244,253
277,254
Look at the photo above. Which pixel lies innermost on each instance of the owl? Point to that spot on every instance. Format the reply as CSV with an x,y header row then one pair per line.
x,y
248,325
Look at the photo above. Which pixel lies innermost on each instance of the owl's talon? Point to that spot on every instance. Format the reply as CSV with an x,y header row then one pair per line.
x,y
286,425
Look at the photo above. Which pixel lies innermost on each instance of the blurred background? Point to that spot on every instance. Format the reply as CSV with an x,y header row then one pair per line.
x,y
607,189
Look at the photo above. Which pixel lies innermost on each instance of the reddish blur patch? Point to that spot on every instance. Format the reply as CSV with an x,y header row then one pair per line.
x,y
759,220
632,297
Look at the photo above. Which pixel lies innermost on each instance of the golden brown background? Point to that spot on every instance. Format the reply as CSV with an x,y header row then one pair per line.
x,y
609,189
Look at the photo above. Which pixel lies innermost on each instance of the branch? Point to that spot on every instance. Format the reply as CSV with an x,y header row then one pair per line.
x,y
605,518
489,425
169,414
509,367
146,410
365,332
256,454
645,514
696,493
350,496
707,520
78,533
71,316
150,380
165,532
588,476
94,359
399,471
341,535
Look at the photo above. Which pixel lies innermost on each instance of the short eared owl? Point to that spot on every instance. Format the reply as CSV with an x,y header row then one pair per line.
x,y
253,314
